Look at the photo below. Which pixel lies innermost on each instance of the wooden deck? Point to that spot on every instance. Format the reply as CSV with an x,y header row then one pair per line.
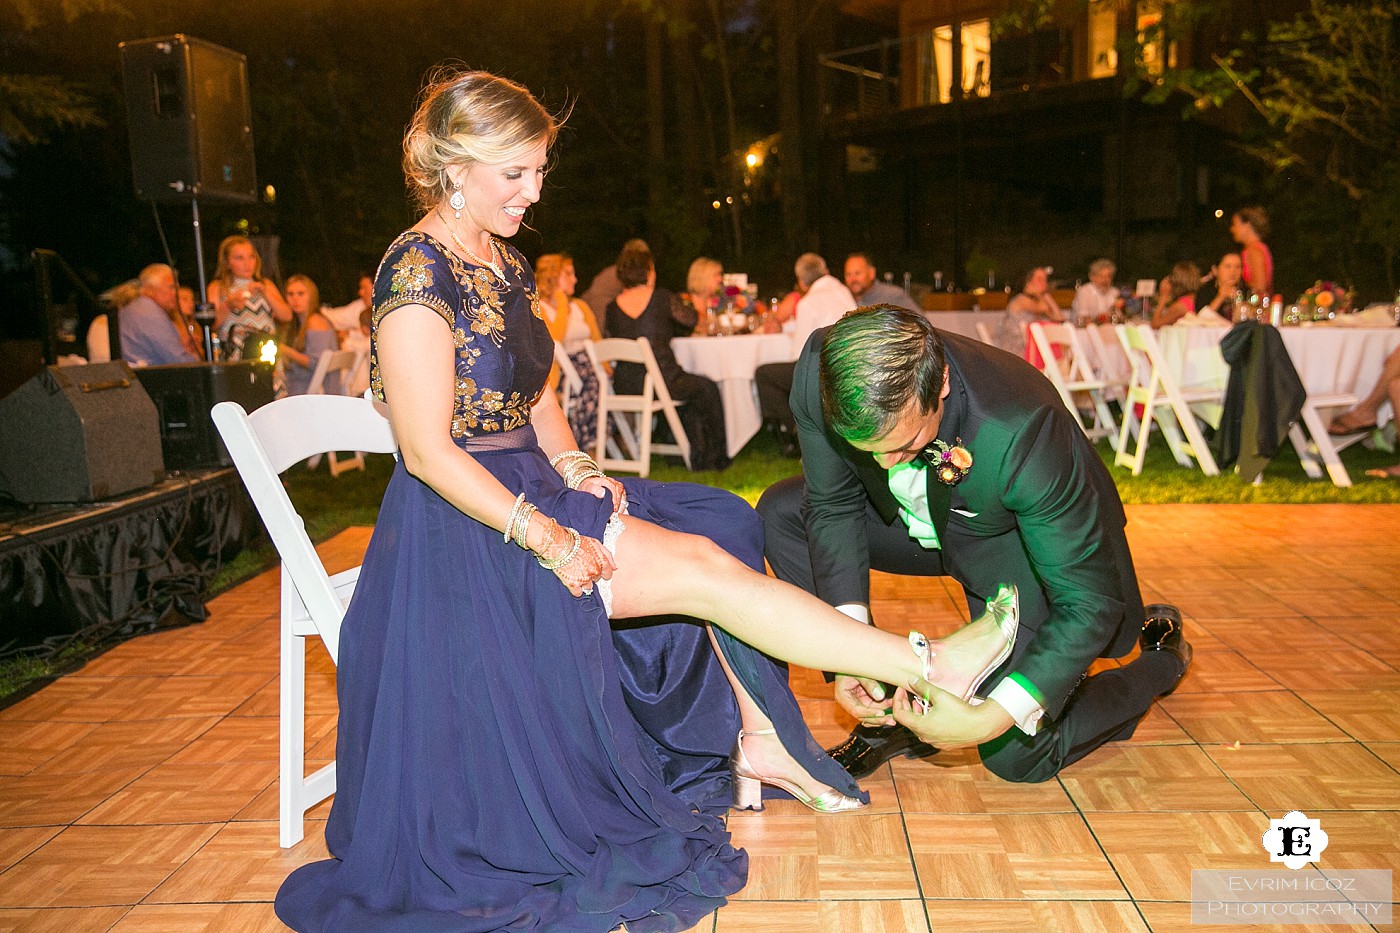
x,y
138,794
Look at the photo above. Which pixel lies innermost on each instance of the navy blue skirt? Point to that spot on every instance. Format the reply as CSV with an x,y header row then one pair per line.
x,y
507,758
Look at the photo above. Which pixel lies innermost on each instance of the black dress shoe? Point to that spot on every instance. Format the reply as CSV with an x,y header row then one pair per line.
x,y
1163,631
868,747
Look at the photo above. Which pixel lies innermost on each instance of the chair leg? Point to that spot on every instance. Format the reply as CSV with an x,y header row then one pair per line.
x,y
1307,456
644,454
292,753
1326,449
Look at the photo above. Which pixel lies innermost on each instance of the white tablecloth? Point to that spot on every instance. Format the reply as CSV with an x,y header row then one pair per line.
x,y
731,363
1328,359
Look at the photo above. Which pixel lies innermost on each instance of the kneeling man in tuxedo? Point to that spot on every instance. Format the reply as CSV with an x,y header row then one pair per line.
x,y
930,454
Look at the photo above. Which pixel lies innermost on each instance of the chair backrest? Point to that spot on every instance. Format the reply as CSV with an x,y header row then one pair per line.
x,y
283,433
332,361
570,383
1108,361
619,350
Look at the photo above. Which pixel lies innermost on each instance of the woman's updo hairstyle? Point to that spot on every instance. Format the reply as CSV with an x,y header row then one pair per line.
x,y
467,117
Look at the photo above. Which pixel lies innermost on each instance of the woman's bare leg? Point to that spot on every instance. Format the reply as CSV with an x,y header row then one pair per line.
x,y
661,571
765,752
1387,386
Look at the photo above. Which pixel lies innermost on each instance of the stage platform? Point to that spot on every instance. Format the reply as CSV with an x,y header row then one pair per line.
x,y
107,570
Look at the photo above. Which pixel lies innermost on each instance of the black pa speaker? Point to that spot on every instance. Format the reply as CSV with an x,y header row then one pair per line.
x,y
183,395
188,117
78,433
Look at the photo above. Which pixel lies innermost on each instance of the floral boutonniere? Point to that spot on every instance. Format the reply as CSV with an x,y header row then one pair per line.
x,y
951,462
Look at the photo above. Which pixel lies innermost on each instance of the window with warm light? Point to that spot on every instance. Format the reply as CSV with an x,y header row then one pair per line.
x,y
977,58
1158,54
1103,38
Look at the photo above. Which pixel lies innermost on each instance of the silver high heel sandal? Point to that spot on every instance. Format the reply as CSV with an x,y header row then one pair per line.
x,y
748,785
1005,610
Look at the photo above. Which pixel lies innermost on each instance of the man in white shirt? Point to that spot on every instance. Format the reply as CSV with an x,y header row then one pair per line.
x,y
346,320
885,404
1096,299
824,300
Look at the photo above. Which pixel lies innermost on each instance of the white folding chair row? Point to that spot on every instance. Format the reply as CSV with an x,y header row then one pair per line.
x,y
1153,389
263,445
616,410
346,363
1066,363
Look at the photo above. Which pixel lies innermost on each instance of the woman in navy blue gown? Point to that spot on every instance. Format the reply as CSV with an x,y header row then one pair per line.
x,y
507,758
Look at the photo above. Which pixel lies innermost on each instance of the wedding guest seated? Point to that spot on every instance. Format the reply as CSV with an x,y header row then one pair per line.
x,y
704,288
1096,299
1176,297
149,336
308,336
823,302
1364,416
1227,275
1033,303
190,328
867,289
246,302
346,321
642,309
572,324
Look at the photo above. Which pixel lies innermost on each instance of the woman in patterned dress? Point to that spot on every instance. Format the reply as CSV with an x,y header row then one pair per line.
x,y
507,757
245,302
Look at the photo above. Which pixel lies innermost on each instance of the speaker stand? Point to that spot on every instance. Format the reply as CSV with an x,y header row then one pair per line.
x,y
203,310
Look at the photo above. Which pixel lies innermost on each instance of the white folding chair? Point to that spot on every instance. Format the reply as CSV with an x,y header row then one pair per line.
x,y
984,333
263,445
1318,449
654,399
1107,362
344,363
570,383
1069,372
1152,387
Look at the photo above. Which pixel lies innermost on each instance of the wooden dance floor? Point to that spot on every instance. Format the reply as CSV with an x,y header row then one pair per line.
x,y
139,793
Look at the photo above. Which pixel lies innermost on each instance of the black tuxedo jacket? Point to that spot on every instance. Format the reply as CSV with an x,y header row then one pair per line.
x,y
1037,508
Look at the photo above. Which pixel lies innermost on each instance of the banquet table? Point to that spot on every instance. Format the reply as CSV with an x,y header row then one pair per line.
x,y
731,362
1329,359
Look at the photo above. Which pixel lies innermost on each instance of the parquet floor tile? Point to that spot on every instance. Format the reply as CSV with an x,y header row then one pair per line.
x,y
1272,717
956,782
139,792
1339,776
1165,777
28,745
200,918
94,866
58,799
1155,853
16,843
185,793
60,920
241,863
1034,917
1049,856
902,916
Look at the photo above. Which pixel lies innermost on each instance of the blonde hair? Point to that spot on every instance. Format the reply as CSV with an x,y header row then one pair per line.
x,y
695,278
548,268
466,117
224,274
296,329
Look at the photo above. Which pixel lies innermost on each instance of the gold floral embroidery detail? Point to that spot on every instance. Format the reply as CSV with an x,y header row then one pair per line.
x,y
535,304
411,273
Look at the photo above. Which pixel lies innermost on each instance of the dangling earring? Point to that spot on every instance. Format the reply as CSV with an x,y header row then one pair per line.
x,y
457,201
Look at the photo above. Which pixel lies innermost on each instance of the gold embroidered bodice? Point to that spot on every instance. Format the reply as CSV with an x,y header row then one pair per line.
x,y
503,347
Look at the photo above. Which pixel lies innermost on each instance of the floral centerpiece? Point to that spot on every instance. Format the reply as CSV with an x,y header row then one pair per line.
x,y
1326,299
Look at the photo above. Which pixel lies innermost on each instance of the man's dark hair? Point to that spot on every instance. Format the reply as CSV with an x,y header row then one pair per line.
x,y
873,362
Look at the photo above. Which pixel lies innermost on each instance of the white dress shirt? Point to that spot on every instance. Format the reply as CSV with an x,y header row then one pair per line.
x,y
826,302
